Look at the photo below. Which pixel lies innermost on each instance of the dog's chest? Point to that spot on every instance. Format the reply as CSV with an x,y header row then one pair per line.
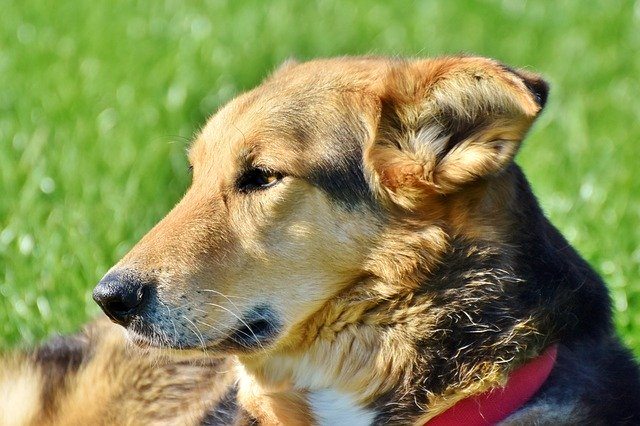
x,y
331,407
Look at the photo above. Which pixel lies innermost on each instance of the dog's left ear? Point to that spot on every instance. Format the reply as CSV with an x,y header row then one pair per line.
x,y
446,123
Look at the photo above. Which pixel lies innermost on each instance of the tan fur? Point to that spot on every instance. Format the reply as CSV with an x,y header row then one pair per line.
x,y
327,269
346,275
116,384
20,388
420,95
272,406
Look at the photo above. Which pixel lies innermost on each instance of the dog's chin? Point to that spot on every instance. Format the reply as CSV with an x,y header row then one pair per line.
x,y
154,347
250,337
257,331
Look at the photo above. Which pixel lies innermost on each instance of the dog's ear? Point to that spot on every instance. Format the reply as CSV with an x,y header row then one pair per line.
x,y
446,123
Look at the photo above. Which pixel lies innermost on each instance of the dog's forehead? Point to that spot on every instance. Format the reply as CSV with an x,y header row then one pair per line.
x,y
288,121
297,104
313,127
261,115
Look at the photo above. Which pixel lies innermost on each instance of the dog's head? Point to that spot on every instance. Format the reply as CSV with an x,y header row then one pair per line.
x,y
313,182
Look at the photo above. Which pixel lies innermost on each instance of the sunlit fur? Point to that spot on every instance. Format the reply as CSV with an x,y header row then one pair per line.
x,y
402,258
221,252
97,378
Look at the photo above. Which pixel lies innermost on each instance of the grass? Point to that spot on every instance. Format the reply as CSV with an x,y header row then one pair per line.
x,y
99,99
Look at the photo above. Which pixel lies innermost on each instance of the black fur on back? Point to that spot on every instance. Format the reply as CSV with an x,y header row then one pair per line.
x,y
594,370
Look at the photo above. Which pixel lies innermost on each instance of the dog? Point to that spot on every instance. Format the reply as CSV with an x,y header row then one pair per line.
x,y
358,247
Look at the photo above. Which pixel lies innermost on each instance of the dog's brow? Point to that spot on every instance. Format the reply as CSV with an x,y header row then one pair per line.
x,y
343,181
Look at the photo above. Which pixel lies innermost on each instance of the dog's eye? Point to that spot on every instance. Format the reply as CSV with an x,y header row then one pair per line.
x,y
256,179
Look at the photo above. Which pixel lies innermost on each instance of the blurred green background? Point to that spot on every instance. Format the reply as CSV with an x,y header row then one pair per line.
x,y
98,101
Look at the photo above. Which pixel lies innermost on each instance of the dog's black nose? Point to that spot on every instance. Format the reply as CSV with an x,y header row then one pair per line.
x,y
120,296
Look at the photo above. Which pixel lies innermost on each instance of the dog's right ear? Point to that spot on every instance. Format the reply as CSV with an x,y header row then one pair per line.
x,y
446,123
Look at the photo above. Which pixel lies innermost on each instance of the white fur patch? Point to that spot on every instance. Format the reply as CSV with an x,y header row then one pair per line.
x,y
333,408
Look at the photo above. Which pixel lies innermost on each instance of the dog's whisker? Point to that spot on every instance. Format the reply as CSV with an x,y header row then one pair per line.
x,y
234,305
239,319
197,333
226,296
213,327
180,310
175,330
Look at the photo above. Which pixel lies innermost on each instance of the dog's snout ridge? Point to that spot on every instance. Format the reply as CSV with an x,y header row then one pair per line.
x,y
120,296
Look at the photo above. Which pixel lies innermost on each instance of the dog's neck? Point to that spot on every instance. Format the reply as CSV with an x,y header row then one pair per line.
x,y
399,353
341,368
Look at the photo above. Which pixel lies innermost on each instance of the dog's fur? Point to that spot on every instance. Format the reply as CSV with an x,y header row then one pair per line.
x,y
95,378
359,244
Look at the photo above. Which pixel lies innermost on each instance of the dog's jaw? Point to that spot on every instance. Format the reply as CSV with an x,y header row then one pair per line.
x,y
334,376
387,353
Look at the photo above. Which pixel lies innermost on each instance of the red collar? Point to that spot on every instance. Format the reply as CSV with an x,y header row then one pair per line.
x,y
497,404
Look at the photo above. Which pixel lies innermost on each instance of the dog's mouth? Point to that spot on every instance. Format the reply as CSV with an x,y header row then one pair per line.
x,y
258,328
255,330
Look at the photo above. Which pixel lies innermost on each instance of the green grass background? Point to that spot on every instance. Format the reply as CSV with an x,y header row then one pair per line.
x,y
98,101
